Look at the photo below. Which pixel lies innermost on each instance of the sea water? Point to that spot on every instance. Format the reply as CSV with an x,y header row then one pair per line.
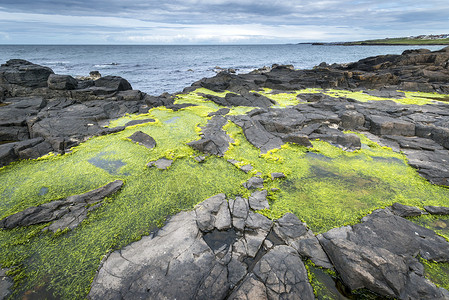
x,y
158,69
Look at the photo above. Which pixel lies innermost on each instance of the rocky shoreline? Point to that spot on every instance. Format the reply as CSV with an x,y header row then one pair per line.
x,y
224,249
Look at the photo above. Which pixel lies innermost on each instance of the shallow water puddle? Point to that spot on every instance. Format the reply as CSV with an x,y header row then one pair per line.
x,y
109,165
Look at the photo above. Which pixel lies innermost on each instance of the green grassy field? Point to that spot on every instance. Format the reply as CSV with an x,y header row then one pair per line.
x,y
400,41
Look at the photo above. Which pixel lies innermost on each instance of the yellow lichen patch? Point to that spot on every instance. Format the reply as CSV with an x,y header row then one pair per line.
x,y
416,98
293,98
434,97
209,92
437,273
194,98
284,100
327,187
324,186
127,118
240,110
65,263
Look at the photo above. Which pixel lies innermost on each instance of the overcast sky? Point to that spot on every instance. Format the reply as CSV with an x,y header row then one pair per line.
x,y
216,21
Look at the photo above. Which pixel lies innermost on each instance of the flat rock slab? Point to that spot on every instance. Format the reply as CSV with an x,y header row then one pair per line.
x,y
254,183
143,139
380,255
214,139
64,213
213,213
161,164
296,234
6,284
190,258
405,210
277,175
139,122
258,200
437,210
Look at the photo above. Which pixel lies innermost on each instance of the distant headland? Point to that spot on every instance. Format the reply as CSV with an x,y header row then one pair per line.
x,y
440,39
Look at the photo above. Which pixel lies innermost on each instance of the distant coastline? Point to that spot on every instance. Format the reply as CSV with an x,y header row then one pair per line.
x,y
425,40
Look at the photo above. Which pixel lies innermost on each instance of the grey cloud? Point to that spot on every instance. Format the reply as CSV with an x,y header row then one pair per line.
x,y
343,17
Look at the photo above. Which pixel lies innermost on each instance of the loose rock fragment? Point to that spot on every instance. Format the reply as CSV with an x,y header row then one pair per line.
x,y
143,139
161,164
67,213
254,183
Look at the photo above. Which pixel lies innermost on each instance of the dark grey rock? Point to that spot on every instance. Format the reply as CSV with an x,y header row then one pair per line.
x,y
6,284
432,165
143,139
213,213
239,210
380,254
214,139
257,222
312,97
296,234
283,274
352,120
349,141
251,288
258,200
441,136
382,125
67,213
246,168
233,161
210,257
277,175
138,122
151,268
415,143
24,73
385,93
200,159
254,183
161,164
61,82
298,139
437,210
405,210
28,149
115,83
257,135
221,112
242,99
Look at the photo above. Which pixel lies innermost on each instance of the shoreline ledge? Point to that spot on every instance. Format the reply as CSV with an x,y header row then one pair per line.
x,y
227,129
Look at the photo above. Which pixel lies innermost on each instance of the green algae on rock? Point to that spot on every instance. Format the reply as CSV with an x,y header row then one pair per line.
x,y
324,185
66,263
351,183
294,97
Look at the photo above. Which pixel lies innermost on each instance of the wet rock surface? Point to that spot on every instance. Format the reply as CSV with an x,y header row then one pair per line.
x,y
161,164
405,128
223,249
214,139
219,250
230,252
46,112
64,213
380,254
143,139
6,284
62,113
